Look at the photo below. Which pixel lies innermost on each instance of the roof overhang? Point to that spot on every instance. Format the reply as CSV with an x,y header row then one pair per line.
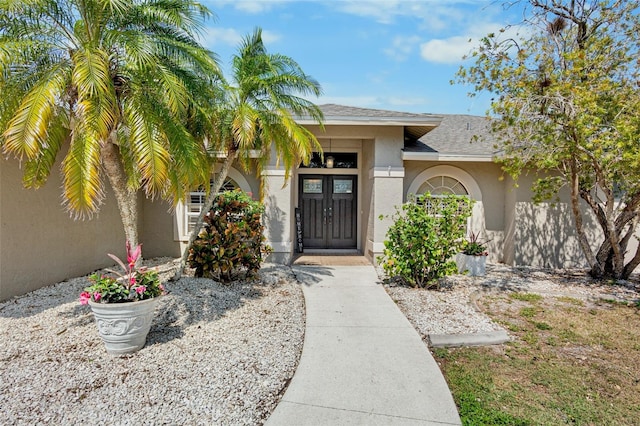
x,y
413,127
437,156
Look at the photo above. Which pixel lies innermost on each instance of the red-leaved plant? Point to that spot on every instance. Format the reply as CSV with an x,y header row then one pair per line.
x,y
474,247
131,285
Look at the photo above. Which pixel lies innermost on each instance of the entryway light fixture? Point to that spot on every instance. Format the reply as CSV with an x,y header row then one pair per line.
x,y
330,162
329,158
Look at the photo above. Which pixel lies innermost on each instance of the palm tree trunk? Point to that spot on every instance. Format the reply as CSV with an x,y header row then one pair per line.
x,y
126,198
208,203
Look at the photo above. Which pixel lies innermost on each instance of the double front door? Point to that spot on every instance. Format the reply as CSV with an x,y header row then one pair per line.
x,y
328,207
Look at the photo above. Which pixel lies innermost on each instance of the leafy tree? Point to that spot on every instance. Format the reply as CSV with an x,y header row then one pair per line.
x,y
118,81
567,102
257,114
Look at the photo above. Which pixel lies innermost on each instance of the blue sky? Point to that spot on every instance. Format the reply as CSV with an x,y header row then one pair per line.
x,y
387,54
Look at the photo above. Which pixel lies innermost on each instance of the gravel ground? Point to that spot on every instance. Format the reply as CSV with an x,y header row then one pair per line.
x,y
216,354
451,309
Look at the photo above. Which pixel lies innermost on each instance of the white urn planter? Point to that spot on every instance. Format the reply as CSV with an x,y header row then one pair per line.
x,y
475,265
123,327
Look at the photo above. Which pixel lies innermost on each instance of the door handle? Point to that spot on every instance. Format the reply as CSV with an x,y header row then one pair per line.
x,y
324,216
330,215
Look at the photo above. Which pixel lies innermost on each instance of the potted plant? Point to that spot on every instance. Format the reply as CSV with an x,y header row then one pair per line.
x,y
473,257
123,305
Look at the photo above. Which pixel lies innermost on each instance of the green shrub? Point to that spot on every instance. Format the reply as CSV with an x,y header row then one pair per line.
x,y
232,240
426,234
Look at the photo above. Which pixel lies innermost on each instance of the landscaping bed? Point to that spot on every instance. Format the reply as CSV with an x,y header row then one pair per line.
x,y
216,354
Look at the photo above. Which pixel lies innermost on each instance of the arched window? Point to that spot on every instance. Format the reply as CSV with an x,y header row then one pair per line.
x,y
187,212
196,200
439,186
446,179
443,185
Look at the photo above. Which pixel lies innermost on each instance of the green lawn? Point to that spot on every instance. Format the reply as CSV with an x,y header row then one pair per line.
x,y
571,362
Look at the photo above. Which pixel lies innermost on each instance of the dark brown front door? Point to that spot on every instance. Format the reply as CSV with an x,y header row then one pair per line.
x,y
328,207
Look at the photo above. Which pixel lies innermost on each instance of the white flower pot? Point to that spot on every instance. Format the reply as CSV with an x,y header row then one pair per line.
x,y
476,265
123,327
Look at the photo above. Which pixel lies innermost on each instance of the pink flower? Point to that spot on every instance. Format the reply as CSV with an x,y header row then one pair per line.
x,y
97,296
85,296
141,289
133,254
132,280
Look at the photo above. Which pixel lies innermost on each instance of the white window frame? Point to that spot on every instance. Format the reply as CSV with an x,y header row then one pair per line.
x,y
187,210
476,221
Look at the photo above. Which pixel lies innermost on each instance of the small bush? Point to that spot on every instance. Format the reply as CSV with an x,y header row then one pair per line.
x,y
426,234
232,240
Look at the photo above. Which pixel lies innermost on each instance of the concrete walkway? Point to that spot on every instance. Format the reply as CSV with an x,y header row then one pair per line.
x,y
362,362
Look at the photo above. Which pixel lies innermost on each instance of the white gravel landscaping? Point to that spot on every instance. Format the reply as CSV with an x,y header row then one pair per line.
x,y
216,354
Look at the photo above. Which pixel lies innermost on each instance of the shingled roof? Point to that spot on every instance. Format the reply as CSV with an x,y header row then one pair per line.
x,y
455,137
334,111
427,136
415,125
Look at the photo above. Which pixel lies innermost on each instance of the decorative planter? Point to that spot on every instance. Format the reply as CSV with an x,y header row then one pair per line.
x,y
123,327
476,265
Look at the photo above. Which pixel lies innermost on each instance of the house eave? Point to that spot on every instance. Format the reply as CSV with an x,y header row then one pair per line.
x,y
414,127
430,121
436,156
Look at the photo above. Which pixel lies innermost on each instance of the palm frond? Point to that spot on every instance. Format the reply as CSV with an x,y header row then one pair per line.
x,y
148,145
37,170
91,73
82,185
26,132
245,127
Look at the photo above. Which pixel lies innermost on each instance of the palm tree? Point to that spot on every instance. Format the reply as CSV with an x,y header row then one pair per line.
x,y
257,113
119,82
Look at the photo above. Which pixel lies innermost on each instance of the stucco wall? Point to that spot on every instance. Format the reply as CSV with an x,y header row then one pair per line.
x,y
40,244
388,180
545,233
157,230
367,220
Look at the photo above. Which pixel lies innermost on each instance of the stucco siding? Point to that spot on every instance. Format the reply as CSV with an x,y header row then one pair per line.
x,y
157,230
545,234
40,244
367,220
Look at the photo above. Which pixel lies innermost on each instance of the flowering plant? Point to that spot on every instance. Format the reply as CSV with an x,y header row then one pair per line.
x,y
473,247
132,285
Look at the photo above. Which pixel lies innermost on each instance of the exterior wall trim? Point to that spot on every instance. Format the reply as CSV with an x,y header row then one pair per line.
x,y
443,170
436,156
274,172
385,172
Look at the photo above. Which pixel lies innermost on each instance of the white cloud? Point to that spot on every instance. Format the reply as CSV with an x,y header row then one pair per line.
x,y
269,37
216,36
436,15
251,6
446,51
401,47
451,50
230,36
